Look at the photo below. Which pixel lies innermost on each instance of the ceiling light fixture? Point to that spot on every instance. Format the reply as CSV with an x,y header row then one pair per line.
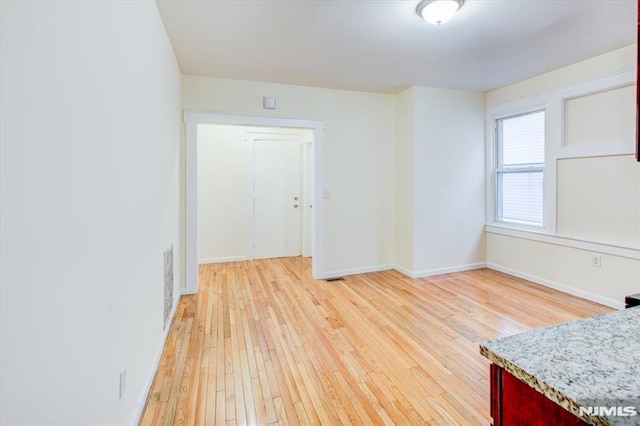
x,y
438,11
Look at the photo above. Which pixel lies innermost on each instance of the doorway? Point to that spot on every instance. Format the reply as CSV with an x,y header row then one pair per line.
x,y
252,199
304,232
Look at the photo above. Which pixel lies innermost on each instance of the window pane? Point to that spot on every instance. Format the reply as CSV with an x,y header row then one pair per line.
x,y
521,197
523,139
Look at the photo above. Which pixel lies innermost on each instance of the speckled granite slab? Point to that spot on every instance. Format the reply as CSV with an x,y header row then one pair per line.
x,y
592,362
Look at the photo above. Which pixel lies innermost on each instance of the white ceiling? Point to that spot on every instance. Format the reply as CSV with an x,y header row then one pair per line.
x,y
383,46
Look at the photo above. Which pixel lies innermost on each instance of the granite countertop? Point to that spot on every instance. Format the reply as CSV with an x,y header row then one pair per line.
x,y
594,362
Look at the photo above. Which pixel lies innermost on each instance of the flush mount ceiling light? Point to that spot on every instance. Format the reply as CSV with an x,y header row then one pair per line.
x,y
438,11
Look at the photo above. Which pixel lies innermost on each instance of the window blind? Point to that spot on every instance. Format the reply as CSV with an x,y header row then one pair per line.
x,y
523,140
520,172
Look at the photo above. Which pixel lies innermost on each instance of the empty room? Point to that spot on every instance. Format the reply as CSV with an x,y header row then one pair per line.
x,y
324,212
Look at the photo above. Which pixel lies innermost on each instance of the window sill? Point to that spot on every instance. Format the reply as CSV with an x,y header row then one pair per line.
x,y
614,249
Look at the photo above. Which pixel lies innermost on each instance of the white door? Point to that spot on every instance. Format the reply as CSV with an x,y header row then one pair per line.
x,y
277,198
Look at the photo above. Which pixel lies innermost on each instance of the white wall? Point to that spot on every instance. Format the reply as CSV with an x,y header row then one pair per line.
x,y
222,192
358,153
404,171
90,187
565,268
404,181
224,188
439,196
598,195
599,118
581,72
449,180
599,199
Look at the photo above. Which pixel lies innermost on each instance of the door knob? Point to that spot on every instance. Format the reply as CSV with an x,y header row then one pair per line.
x,y
295,198
295,206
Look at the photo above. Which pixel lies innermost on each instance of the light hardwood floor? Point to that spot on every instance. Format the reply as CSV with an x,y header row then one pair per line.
x,y
264,343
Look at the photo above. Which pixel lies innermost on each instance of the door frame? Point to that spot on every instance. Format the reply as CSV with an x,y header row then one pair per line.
x,y
251,137
191,120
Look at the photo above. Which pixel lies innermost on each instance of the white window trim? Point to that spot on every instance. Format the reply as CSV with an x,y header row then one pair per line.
x,y
553,102
494,115
614,249
498,170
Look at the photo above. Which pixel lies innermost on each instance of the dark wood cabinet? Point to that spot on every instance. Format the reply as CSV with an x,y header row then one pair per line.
x,y
514,403
638,91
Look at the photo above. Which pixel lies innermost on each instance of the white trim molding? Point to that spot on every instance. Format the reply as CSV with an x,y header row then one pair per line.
x,y
557,286
208,260
597,150
439,271
604,248
192,119
353,271
185,292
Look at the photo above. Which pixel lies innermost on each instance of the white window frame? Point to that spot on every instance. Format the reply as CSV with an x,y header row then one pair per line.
x,y
515,109
500,169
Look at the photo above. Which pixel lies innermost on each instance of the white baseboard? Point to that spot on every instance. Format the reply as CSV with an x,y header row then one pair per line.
x,y
156,361
353,271
439,271
207,260
403,271
560,287
185,291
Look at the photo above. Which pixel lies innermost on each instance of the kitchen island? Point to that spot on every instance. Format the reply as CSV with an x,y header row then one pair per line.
x,y
580,372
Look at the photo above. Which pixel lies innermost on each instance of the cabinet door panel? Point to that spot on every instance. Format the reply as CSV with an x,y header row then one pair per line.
x,y
516,403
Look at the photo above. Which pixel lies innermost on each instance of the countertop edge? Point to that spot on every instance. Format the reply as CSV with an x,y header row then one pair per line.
x,y
548,391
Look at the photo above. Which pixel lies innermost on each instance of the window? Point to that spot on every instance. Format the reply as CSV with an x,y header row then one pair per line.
x,y
520,169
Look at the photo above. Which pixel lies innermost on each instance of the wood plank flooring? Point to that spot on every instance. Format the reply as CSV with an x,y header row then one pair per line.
x,y
263,343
